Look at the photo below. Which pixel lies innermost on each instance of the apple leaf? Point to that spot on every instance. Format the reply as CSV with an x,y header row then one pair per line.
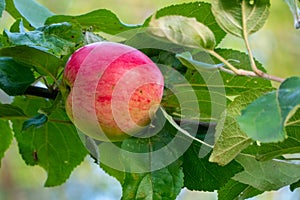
x,y
165,183
2,7
187,60
32,11
240,17
6,137
200,174
98,20
183,31
43,62
149,165
293,5
199,10
230,139
234,190
291,145
274,109
45,39
266,175
14,77
8,112
55,146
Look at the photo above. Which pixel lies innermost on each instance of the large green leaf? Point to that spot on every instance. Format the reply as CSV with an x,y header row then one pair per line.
x,y
148,167
268,114
14,77
231,140
267,175
234,190
55,146
43,62
165,183
199,10
200,174
291,145
32,11
98,20
183,31
48,38
5,135
241,17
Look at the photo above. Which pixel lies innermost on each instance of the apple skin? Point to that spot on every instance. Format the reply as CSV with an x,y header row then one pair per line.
x,y
115,90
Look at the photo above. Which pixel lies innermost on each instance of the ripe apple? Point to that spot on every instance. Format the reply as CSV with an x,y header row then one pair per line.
x,y
114,90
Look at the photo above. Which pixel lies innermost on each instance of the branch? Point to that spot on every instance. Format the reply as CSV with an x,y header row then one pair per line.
x,y
41,92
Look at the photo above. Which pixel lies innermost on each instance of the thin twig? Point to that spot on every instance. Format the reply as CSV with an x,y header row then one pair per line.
x,y
250,54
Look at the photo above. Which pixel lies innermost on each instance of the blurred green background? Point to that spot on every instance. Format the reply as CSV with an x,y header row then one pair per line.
x,y
277,46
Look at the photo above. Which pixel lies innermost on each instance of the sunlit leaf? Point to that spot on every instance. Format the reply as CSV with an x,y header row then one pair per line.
x,y
52,39
234,190
32,11
183,31
41,61
241,17
186,59
266,175
231,140
98,20
199,10
268,114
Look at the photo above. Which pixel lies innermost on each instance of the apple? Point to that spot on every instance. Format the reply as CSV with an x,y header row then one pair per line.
x,y
115,90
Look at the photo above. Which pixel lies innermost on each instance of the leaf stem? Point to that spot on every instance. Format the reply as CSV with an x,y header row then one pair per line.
x,y
257,71
241,72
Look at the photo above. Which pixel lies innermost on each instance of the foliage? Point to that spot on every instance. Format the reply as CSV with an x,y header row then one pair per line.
x,y
222,125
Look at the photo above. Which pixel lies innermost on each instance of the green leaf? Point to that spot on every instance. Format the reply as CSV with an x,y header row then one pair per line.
x,y
32,11
12,10
2,7
64,30
273,109
200,174
45,63
291,145
6,137
186,59
165,183
234,190
241,17
8,111
231,140
47,39
266,175
293,5
98,20
55,146
14,77
150,162
183,31
199,10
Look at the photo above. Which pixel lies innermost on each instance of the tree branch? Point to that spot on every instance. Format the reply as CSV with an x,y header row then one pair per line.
x,y
41,92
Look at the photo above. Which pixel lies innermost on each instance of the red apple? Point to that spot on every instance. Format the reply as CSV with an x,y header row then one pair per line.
x,y
114,90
